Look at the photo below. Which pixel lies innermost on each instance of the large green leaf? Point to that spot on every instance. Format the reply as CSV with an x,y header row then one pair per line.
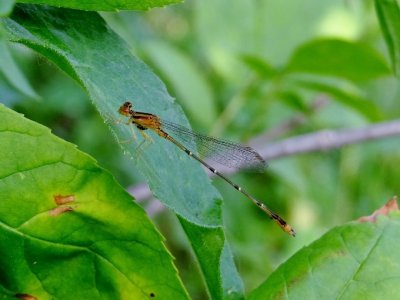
x,y
353,261
85,47
102,5
338,58
388,12
99,245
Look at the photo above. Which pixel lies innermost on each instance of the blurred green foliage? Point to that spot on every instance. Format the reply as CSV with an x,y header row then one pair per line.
x,y
239,71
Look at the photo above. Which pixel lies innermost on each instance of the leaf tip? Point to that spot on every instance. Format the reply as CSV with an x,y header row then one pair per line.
x,y
390,206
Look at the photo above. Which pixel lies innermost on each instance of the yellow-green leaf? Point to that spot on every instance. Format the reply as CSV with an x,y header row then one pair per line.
x,y
67,229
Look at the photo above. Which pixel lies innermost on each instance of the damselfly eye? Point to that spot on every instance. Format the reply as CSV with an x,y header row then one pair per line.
x,y
128,104
125,109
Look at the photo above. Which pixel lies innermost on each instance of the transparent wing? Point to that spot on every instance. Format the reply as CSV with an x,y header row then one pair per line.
x,y
224,152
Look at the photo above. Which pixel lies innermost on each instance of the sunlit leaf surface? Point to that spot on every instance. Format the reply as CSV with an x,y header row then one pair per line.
x,y
68,230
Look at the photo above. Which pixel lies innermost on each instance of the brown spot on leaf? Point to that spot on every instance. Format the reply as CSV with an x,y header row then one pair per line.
x,y
152,295
60,210
390,206
25,297
60,199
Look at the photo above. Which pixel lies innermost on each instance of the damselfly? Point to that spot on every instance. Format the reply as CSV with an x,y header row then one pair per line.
x,y
222,151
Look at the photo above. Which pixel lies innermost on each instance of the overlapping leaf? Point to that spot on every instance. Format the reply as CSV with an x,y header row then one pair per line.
x,y
334,57
353,261
389,17
67,229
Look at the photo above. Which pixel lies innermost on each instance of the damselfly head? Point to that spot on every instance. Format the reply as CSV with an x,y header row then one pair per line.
x,y
125,109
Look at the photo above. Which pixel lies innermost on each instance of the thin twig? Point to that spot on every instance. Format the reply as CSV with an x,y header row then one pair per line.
x,y
329,139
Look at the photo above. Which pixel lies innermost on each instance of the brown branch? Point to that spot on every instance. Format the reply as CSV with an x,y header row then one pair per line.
x,y
329,139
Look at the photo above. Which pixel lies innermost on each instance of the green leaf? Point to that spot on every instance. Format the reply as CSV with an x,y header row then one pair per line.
x,y
211,243
353,261
293,99
12,72
346,93
102,63
338,58
99,243
101,5
259,66
192,89
6,7
388,12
